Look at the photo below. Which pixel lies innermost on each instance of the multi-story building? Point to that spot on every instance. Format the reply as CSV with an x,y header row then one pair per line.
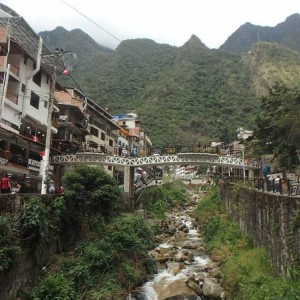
x,y
27,93
103,130
243,134
138,143
71,121
26,67
84,126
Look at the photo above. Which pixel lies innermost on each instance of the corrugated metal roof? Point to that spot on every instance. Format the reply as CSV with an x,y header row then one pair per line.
x,y
23,35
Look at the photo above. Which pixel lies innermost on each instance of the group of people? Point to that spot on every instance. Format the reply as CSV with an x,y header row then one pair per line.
x,y
6,186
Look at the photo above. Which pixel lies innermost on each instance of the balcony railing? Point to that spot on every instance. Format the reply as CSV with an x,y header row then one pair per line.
x,y
4,154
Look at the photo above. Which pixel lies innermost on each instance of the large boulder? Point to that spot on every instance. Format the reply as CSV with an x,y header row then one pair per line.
x,y
211,288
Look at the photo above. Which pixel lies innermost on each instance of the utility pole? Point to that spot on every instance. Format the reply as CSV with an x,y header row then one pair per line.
x,y
244,171
45,161
46,158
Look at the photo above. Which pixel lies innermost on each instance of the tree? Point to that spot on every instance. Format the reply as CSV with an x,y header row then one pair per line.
x,y
92,190
278,125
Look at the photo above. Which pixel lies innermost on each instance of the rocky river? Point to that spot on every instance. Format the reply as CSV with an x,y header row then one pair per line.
x,y
185,271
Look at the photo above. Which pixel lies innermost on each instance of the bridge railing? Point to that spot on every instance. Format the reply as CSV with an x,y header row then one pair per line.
x,y
186,149
283,186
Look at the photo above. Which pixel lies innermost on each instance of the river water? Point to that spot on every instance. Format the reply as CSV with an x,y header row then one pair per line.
x,y
183,264
163,281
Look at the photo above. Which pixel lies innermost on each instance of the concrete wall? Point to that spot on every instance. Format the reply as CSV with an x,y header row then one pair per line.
x,y
272,220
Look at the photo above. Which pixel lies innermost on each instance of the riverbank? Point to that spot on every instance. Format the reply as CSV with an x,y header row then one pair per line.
x,y
248,272
185,270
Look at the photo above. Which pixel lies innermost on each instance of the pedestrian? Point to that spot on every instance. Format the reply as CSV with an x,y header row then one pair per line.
x,y
120,148
5,184
60,189
21,187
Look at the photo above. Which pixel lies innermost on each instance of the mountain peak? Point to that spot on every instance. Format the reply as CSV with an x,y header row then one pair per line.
x,y
286,33
194,41
293,18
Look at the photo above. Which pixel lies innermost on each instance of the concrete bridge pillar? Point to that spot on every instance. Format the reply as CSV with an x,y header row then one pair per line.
x,y
129,187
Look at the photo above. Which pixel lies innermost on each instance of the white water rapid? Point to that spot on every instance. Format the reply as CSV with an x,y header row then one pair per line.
x,y
187,262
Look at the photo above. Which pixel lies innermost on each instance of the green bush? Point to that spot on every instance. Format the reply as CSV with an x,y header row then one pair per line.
x,y
174,192
131,232
130,274
55,287
110,289
34,221
165,196
158,208
8,256
40,221
112,262
92,191
6,234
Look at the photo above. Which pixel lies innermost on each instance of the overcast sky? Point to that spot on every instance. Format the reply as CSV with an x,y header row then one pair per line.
x,y
164,21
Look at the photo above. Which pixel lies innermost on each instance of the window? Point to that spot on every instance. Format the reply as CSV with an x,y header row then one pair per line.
x,y
102,136
94,131
34,100
37,78
23,88
111,142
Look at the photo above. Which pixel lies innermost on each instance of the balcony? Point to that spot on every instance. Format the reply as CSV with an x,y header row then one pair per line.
x,y
12,97
13,68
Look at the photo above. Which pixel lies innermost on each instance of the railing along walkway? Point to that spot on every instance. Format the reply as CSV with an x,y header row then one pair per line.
x,y
179,159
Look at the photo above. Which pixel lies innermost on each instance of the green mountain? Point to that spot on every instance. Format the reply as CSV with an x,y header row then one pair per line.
x,y
286,33
183,95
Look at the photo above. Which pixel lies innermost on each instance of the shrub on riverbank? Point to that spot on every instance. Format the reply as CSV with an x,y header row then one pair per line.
x,y
112,262
166,196
110,258
248,273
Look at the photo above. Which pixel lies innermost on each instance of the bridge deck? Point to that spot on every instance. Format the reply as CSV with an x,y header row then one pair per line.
x,y
179,159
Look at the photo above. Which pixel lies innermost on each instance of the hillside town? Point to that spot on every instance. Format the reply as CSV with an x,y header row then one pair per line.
x,y
120,218
40,118
37,113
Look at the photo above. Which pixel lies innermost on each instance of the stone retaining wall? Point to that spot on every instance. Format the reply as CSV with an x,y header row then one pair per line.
x,y
272,220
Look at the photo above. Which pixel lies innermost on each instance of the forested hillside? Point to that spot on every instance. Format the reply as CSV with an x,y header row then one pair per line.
x,y
183,95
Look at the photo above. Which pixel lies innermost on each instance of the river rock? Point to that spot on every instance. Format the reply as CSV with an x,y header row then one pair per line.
x,y
190,245
175,267
211,288
195,287
177,251
174,289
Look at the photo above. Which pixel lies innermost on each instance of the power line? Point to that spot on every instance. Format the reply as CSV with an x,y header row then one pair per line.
x,y
92,21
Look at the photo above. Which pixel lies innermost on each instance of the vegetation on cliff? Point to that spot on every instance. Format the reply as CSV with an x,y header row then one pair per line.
x,y
206,93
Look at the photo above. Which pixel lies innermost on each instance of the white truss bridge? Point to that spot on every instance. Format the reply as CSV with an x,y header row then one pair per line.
x,y
179,159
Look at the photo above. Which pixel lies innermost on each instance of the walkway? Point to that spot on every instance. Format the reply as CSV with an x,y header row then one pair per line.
x,y
179,159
